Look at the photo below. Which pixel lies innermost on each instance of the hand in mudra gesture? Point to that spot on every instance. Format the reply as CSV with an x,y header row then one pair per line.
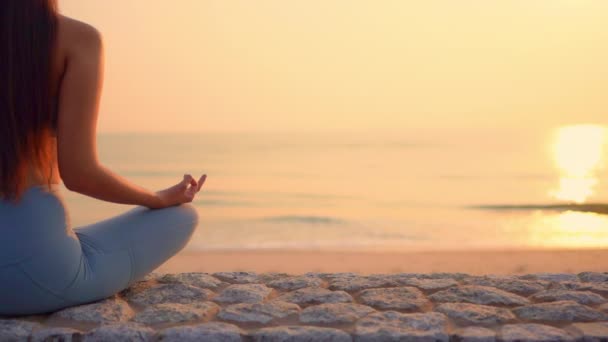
x,y
182,192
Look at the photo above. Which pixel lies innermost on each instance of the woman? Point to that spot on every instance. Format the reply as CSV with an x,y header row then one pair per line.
x,y
51,71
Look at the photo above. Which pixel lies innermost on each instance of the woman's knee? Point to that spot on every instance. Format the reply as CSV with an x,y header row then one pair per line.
x,y
185,216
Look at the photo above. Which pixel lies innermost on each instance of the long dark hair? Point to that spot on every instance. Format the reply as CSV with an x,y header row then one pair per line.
x,y
28,30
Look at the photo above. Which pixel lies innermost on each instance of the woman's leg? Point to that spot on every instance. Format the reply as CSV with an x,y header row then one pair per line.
x,y
123,249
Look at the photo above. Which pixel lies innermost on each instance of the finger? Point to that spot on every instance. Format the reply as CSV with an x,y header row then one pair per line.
x,y
187,180
201,181
190,193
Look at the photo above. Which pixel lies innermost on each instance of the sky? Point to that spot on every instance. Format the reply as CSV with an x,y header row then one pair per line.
x,y
387,65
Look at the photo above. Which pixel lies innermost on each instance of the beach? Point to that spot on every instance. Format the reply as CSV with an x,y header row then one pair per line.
x,y
514,261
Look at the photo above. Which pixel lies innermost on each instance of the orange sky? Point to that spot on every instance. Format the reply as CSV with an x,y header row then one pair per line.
x,y
197,65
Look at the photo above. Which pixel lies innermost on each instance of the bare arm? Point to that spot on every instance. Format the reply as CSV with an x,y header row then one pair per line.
x,y
79,99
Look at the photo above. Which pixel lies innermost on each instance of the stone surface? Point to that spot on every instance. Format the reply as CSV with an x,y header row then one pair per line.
x,y
596,331
446,275
599,288
244,293
238,277
551,277
121,332
593,277
475,294
475,314
211,332
247,306
261,313
429,285
198,279
396,298
396,326
356,283
562,311
533,333
581,297
511,284
176,313
56,334
334,313
16,330
109,310
153,276
315,295
169,293
300,333
294,283
473,334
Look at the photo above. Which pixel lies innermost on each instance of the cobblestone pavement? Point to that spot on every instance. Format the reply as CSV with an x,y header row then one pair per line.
x,y
245,306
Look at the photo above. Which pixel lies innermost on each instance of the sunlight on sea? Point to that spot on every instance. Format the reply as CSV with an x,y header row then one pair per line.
x,y
418,190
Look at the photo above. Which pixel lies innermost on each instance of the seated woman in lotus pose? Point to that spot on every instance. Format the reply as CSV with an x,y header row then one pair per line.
x,y
51,71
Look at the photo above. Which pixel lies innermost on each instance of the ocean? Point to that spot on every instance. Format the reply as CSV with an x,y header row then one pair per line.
x,y
423,189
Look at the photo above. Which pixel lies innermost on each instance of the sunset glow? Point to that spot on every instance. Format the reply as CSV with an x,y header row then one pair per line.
x,y
569,230
578,154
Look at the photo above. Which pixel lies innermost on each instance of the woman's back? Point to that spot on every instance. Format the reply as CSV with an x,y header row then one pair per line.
x,y
74,40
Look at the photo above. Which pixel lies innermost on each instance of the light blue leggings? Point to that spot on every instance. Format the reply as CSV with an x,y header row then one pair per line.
x,y
45,265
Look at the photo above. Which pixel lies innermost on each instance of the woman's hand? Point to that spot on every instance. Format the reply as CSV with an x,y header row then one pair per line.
x,y
182,192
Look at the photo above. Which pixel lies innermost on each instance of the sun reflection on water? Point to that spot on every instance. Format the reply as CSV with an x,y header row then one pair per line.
x,y
569,230
577,152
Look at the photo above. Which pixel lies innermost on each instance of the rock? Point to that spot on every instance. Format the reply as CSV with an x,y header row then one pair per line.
x,y
109,310
334,313
593,277
581,297
267,277
551,277
446,275
261,313
121,332
153,276
429,285
198,279
562,311
436,275
300,334
238,277
244,293
473,334
176,313
16,330
208,332
599,288
295,282
357,283
315,295
511,284
396,326
56,334
475,314
396,298
169,293
604,308
138,287
533,333
332,276
597,331
478,295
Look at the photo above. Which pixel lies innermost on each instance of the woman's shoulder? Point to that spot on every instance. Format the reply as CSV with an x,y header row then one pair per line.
x,y
75,35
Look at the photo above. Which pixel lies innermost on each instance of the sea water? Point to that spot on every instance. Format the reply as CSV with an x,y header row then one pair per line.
x,y
422,189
